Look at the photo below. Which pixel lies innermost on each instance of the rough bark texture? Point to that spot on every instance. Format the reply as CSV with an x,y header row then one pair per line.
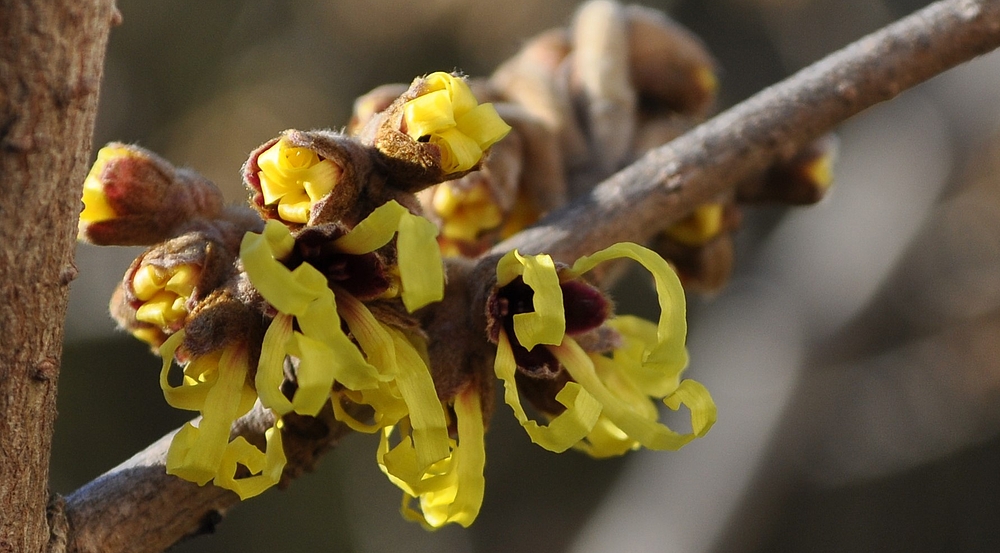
x,y
112,513
137,507
51,58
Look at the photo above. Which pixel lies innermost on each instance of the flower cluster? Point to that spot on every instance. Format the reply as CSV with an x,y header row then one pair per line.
x,y
333,297
589,373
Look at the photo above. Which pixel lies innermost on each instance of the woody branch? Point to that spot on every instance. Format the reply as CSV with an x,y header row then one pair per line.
x,y
642,199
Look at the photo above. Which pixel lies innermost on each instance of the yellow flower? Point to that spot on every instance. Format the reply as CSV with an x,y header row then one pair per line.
x,y
216,386
448,115
294,179
376,365
704,224
465,213
163,294
451,490
607,407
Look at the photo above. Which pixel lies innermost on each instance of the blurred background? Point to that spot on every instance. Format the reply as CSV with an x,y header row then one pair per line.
x,y
853,357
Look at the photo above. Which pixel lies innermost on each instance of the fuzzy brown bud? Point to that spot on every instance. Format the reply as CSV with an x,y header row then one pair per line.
x,y
134,197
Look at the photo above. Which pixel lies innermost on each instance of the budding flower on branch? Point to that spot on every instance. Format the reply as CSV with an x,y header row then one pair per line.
x,y
446,114
134,197
594,392
294,179
329,297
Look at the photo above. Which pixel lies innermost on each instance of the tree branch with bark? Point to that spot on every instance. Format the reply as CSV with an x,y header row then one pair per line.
x,y
49,70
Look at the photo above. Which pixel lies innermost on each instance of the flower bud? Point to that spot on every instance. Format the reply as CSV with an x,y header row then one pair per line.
x,y
436,131
670,66
134,197
802,180
371,104
165,283
309,177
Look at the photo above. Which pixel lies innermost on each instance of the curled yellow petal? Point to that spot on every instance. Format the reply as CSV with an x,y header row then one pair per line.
x,y
624,415
669,354
321,322
374,231
294,179
260,254
196,452
271,365
695,396
164,293
547,323
450,490
448,115
459,151
459,495
563,431
388,408
430,430
420,269
265,468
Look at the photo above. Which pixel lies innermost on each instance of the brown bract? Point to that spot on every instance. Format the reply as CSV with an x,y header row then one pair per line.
x,y
151,198
410,165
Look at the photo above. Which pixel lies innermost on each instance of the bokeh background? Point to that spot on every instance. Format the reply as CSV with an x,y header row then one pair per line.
x,y
854,356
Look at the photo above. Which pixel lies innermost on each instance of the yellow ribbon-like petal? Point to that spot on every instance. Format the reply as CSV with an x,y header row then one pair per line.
x,y
260,254
196,452
458,496
430,430
421,271
547,323
265,468
450,490
271,366
624,415
563,431
669,355
697,399
648,364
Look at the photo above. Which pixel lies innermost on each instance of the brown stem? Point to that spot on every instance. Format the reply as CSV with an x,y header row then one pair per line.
x,y
51,59
631,205
668,182
137,507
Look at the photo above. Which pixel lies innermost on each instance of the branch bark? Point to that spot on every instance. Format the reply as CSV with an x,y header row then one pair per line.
x,y
51,60
662,187
631,205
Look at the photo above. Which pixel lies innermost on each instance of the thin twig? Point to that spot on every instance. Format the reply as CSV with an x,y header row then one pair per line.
x,y
668,182
631,205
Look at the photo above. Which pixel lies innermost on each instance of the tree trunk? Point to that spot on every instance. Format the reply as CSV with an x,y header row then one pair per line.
x,y
51,59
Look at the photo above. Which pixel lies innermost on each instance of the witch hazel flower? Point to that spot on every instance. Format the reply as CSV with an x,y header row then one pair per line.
x,y
595,392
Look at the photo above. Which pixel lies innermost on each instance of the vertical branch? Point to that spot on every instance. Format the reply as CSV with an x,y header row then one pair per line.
x,y
51,59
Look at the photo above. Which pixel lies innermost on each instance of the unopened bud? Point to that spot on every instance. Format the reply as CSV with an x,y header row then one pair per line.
x,y
134,197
